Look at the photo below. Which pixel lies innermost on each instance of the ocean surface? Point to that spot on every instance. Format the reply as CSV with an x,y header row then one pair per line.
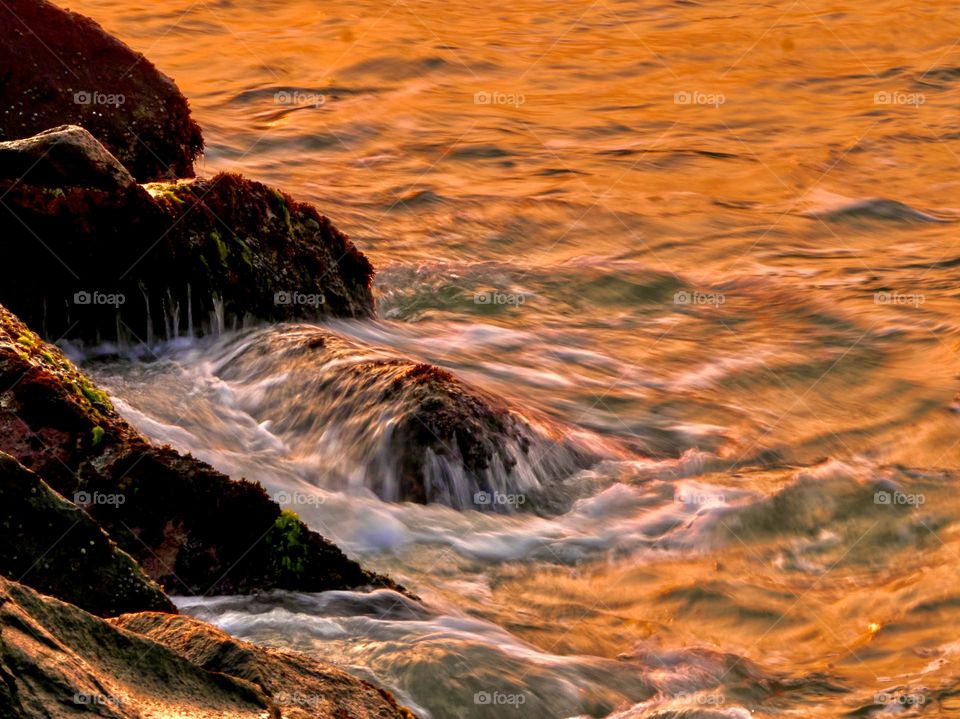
x,y
717,241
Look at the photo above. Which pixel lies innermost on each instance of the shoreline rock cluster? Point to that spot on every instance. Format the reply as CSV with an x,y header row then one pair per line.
x,y
112,239
193,529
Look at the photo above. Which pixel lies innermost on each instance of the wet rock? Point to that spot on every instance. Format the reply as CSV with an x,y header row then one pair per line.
x,y
64,156
301,687
56,660
422,434
58,67
100,259
51,545
193,529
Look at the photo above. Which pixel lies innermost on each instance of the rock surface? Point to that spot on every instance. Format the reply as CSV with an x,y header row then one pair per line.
x,y
58,661
47,543
193,529
65,155
302,687
115,261
425,435
58,67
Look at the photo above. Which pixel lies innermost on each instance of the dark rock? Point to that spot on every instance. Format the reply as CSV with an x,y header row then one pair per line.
x,y
64,156
193,529
51,545
122,262
437,438
58,67
302,687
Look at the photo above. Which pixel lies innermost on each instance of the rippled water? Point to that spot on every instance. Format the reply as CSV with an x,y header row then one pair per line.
x,y
719,236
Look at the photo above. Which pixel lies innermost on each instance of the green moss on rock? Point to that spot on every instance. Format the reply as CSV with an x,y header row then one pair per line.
x,y
289,545
215,251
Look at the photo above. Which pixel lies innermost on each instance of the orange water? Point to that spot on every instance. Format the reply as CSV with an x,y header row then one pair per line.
x,y
733,227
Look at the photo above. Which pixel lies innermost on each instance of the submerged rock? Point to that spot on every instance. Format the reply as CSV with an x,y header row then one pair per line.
x,y
421,434
301,687
51,545
193,529
58,67
101,259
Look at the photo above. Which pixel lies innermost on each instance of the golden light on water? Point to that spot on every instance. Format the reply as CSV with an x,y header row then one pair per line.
x,y
734,229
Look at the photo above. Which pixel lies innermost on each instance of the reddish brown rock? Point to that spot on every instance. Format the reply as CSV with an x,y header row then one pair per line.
x,y
58,67
299,686
102,259
48,543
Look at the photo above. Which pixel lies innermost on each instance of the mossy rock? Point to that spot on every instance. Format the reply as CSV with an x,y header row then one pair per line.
x,y
105,259
53,546
91,79
193,529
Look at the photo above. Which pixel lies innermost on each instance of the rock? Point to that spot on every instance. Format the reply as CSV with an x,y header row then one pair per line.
x,y
49,544
58,67
64,156
133,264
423,434
58,661
302,687
193,529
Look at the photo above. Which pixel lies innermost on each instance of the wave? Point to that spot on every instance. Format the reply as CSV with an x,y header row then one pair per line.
x,y
837,208
443,663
